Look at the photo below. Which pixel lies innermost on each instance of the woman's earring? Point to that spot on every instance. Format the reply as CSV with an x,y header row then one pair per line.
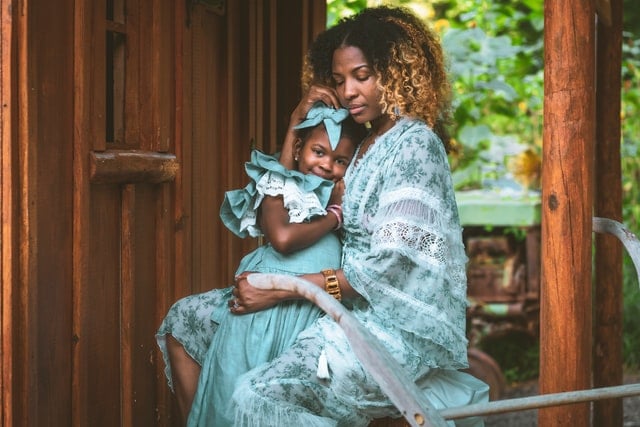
x,y
396,110
295,158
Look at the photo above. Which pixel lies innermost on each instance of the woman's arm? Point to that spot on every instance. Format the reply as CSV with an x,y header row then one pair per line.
x,y
250,299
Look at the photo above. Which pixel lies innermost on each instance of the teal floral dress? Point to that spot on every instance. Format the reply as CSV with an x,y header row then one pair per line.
x,y
403,253
228,345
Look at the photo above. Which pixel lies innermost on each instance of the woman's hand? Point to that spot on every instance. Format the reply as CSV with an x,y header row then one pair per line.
x,y
314,94
248,299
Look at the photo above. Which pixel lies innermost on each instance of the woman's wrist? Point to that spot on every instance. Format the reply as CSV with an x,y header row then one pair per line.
x,y
332,284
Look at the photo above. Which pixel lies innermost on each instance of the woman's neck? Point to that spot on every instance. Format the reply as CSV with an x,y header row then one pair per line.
x,y
381,125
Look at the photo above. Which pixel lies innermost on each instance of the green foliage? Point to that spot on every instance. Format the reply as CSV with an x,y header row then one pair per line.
x,y
338,9
630,152
631,306
495,54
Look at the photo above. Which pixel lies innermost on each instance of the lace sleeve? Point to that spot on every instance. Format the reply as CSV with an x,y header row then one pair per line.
x,y
412,225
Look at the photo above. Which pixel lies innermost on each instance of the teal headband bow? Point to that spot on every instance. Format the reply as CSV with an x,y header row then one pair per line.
x,y
331,118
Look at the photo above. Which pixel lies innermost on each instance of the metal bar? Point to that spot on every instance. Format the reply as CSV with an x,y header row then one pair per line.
x,y
376,359
541,401
628,239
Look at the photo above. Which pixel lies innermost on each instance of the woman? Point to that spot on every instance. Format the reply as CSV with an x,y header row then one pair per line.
x,y
403,270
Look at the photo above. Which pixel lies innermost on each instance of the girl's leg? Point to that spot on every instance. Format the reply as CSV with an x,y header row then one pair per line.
x,y
184,338
185,372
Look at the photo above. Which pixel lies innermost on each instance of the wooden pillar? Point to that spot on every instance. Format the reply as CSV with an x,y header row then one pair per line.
x,y
567,200
8,208
608,297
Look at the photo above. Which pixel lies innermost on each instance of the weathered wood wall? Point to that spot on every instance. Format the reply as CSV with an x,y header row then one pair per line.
x,y
113,170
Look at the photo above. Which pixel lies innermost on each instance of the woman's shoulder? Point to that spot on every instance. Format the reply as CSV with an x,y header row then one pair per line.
x,y
415,126
415,134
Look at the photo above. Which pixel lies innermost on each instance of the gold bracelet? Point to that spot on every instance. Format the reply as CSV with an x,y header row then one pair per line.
x,y
331,284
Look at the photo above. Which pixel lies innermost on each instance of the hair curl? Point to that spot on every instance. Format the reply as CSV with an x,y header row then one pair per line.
x,y
405,55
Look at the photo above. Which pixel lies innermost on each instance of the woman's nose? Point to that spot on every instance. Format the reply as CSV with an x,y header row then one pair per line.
x,y
349,90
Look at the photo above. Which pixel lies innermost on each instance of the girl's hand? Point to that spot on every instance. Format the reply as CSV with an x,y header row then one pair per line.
x,y
337,193
248,299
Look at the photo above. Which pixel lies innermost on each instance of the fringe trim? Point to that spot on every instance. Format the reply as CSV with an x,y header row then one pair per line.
x,y
253,410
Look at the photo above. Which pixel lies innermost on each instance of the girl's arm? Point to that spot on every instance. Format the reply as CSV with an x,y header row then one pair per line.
x,y
287,237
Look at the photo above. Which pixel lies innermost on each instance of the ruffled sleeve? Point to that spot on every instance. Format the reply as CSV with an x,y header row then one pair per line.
x,y
304,196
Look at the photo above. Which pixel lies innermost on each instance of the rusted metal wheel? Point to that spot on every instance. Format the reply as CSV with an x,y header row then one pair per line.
x,y
485,368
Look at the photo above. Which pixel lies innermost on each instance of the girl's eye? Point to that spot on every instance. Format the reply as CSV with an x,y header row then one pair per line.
x,y
318,152
342,162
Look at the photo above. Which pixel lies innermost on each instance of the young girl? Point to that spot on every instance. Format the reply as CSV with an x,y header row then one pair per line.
x,y
288,208
403,268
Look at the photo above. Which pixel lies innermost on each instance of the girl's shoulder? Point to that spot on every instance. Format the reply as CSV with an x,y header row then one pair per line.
x,y
272,179
303,195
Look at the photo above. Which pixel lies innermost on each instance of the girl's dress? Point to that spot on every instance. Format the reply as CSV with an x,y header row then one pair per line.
x,y
403,253
228,345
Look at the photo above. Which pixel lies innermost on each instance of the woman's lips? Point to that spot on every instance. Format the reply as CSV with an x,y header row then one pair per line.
x,y
356,109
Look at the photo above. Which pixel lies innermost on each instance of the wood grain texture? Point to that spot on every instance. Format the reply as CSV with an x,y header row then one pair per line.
x,y
567,201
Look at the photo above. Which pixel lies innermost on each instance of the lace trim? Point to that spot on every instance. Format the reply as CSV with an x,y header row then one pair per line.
x,y
428,246
301,205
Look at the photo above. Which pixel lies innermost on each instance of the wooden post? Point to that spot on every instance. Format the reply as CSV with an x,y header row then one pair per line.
x,y
567,200
607,351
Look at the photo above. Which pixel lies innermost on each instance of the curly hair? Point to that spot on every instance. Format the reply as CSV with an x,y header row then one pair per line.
x,y
405,55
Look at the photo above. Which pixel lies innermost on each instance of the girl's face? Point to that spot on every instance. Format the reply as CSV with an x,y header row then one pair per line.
x,y
356,84
316,156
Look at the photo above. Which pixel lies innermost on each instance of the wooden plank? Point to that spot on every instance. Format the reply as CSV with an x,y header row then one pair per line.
x,y
567,200
147,263
608,291
120,167
163,76
99,312
127,302
8,208
52,145
133,78
83,136
23,347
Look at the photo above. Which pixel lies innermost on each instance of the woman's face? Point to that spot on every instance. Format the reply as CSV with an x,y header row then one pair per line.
x,y
316,156
356,84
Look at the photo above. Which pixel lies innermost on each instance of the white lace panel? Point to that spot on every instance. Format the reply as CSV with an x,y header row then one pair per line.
x,y
410,220
301,205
